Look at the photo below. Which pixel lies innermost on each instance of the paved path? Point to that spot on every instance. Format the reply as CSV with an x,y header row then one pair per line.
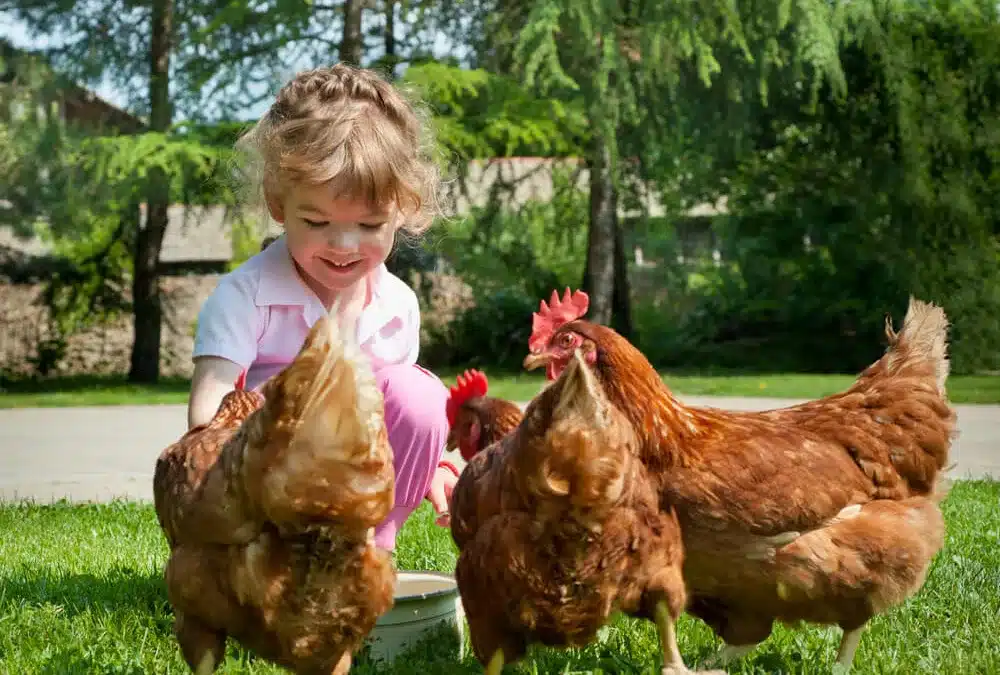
x,y
100,453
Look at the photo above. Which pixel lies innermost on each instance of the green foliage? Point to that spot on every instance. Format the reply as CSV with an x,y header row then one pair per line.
x,y
81,194
848,206
511,259
966,282
88,288
528,250
492,334
247,241
84,593
478,114
221,51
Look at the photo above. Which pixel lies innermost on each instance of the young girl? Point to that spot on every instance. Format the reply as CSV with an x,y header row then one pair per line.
x,y
342,169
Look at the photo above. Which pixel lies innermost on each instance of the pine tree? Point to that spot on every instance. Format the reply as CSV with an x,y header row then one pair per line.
x,y
625,58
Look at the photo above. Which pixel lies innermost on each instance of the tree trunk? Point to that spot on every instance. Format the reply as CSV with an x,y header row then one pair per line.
x,y
621,311
390,37
599,276
147,308
351,44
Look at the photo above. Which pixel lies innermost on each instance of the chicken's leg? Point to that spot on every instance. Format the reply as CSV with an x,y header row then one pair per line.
x,y
343,665
495,666
673,663
848,645
202,647
731,653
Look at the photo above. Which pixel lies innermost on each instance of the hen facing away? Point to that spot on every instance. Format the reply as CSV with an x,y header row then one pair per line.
x,y
270,509
562,528
824,512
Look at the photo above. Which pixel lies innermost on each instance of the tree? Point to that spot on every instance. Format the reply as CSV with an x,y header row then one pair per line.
x,y
624,59
147,308
80,192
352,43
133,43
168,50
894,188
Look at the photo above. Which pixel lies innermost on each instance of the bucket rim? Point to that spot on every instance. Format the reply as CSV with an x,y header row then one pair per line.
x,y
427,595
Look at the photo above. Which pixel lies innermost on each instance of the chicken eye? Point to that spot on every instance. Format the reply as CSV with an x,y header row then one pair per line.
x,y
566,340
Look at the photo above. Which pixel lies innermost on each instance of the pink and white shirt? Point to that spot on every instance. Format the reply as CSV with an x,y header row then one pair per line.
x,y
260,314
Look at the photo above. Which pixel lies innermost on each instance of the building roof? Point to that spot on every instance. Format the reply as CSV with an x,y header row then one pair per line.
x,y
79,104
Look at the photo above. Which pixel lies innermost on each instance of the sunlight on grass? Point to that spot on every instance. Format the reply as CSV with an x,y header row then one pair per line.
x,y
89,391
81,591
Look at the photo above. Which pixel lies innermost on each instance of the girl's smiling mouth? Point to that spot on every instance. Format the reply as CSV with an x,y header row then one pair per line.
x,y
341,267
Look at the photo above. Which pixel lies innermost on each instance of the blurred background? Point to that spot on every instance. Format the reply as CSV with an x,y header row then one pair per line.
x,y
741,186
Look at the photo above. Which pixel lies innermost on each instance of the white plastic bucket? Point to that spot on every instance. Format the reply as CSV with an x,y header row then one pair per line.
x,y
424,600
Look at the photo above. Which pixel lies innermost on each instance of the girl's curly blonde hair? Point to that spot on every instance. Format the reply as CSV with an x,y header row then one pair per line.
x,y
350,129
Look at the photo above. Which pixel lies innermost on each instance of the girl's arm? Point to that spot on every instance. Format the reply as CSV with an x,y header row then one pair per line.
x,y
225,344
213,378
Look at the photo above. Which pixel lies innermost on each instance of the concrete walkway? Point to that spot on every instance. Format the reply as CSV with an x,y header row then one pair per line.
x,y
84,454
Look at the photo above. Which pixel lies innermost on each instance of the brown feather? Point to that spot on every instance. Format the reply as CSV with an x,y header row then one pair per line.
x,y
825,511
559,527
269,510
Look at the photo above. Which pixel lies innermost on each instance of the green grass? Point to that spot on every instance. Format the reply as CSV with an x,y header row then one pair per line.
x,y
81,591
78,391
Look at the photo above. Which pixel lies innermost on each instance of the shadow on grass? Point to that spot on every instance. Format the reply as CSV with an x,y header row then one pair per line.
x,y
120,590
76,660
436,652
124,592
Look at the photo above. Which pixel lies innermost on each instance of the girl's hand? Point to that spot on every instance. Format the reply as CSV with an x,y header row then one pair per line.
x,y
439,493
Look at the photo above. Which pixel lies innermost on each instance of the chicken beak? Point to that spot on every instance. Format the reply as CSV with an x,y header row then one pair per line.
x,y
533,361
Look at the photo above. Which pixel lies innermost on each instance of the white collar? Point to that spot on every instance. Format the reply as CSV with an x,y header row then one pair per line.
x,y
282,285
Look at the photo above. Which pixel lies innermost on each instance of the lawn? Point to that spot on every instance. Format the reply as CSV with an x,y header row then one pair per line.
x,y
81,591
97,390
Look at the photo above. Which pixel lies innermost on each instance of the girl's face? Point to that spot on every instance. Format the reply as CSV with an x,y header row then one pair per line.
x,y
335,242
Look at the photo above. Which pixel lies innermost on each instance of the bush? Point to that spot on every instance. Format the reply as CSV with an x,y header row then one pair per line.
x,y
493,334
822,310
511,260
966,283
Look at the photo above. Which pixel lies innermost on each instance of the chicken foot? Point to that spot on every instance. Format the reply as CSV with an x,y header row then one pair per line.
x,y
848,646
673,663
202,647
730,653
343,665
495,666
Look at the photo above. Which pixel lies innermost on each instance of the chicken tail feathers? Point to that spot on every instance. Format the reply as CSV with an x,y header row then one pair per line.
x,y
922,341
325,454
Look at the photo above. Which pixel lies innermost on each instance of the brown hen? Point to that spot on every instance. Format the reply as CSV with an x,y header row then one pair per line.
x,y
824,512
269,511
475,419
571,531
477,422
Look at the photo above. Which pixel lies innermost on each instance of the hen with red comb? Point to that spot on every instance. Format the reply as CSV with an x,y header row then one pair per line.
x,y
551,316
471,383
475,419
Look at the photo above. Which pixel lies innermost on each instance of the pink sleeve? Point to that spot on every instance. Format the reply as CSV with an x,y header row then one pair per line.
x,y
228,323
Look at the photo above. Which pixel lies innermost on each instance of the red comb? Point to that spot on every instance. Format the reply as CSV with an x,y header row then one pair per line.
x,y
241,381
550,317
469,384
